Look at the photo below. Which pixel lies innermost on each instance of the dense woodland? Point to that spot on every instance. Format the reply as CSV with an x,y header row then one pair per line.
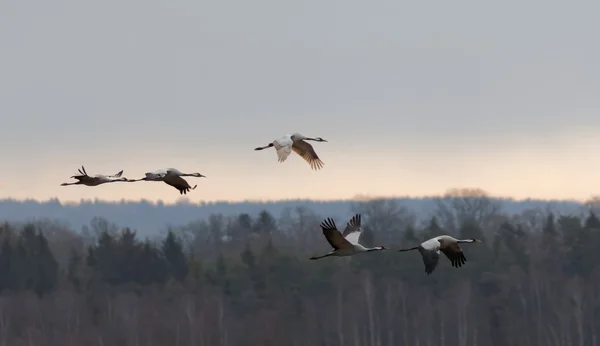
x,y
247,280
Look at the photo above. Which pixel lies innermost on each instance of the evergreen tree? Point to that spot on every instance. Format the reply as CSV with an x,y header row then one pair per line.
x,y
220,276
265,224
47,267
73,267
151,267
6,274
195,270
128,253
27,248
20,268
248,257
104,259
176,261
245,222
410,236
549,230
592,221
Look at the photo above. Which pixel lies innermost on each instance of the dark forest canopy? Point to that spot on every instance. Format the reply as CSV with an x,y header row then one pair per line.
x,y
246,279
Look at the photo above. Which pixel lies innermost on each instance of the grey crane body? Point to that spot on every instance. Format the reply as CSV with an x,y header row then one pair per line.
x,y
344,244
172,177
430,251
94,180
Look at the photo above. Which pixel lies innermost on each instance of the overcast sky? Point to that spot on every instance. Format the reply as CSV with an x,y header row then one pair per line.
x,y
414,97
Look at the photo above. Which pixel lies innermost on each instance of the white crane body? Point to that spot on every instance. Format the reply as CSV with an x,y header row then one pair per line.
x,y
297,143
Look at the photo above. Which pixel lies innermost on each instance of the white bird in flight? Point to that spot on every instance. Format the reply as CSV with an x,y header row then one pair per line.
x,y
298,144
173,177
85,179
345,244
430,250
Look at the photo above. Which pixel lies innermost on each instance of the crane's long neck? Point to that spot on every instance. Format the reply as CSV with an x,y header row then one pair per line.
x,y
465,241
134,180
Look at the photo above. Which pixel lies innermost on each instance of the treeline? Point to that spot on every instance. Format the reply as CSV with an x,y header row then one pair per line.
x,y
246,280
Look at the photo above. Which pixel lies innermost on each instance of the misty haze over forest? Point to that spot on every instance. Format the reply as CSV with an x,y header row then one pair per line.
x,y
150,218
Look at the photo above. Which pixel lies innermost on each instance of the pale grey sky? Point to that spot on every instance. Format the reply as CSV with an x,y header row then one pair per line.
x,y
414,97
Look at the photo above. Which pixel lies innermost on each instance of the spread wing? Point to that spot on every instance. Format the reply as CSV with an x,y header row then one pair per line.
x,y
333,235
306,151
454,254
353,231
82,174
283,147
283,152
118,175
179,183
430,259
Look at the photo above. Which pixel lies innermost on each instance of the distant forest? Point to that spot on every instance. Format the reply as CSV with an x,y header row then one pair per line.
x,y
150,219
245,279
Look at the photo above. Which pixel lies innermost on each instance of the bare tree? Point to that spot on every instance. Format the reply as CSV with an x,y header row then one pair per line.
x,y
385,218
459,206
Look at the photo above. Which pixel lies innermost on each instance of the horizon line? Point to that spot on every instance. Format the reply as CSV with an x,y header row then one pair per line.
x,y
357,198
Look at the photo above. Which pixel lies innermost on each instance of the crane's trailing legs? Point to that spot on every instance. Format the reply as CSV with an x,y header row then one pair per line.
x,y
265,147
